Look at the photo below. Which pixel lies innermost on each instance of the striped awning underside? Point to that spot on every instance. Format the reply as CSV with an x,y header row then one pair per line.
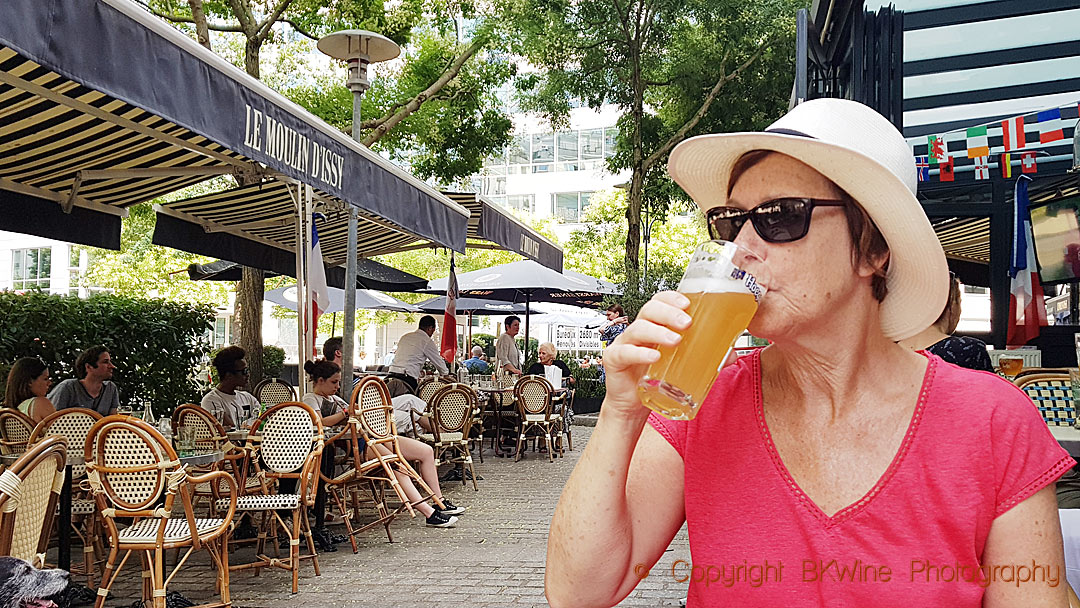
x,y
51,128
965,238
274,202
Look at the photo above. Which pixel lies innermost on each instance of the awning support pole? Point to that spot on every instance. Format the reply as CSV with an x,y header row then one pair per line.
x,y
301,289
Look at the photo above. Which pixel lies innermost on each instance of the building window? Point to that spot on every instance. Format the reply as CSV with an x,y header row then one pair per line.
x,y
543,152
592,144
569,206
520,202
31,268
520,151
610,134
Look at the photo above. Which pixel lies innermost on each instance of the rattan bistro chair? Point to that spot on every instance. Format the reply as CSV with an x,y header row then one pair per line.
x,y
427,388
452,411
533,394
209,436
290,451
273,391
1052,394
29,492
371,406
15,429
73,424
135,474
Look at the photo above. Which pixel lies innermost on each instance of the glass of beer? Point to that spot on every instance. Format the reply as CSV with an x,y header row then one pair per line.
x,y
724,283
1010,365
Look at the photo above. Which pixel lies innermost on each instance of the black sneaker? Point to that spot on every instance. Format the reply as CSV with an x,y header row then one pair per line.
x,y
451,508
322,540
438,520
245,531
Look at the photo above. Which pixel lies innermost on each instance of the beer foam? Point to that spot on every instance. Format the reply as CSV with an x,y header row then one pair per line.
x,y
735,281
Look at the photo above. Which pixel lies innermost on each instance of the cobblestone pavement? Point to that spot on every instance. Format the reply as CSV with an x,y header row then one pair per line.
x,y
493,558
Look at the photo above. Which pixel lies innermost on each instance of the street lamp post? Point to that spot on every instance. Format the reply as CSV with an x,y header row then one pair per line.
x,y
357,48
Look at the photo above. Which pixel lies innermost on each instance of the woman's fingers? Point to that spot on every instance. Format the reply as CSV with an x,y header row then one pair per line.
x,y
644,332
621,356
667,311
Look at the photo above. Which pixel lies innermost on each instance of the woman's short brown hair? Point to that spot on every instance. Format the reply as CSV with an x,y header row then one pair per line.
x,y
617,309
868,245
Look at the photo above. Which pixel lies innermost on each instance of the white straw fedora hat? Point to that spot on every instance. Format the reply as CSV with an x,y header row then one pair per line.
x,y
866,156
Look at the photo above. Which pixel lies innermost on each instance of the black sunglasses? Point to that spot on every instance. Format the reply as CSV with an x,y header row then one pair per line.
x,y
780,220
242,372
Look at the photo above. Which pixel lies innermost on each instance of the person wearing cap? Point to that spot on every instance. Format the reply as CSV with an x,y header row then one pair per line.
x,y
833,447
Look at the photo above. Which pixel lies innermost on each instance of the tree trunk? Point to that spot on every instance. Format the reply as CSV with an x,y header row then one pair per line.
x,y
198,15
637,165
251,56
249,297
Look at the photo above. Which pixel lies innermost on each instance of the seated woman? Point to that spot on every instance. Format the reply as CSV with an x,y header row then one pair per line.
x,y
326,379
547,352
27,384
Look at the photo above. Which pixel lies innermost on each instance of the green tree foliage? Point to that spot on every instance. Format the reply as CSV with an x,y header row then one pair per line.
x,y
155,344
144,270
676,68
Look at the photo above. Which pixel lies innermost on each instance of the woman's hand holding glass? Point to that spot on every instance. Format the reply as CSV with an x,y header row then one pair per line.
x,y
660,322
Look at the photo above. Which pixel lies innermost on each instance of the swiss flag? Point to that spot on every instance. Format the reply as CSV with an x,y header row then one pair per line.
x,y
1027,163
946,170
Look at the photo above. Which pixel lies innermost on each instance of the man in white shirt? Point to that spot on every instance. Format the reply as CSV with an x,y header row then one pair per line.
x,y
413,349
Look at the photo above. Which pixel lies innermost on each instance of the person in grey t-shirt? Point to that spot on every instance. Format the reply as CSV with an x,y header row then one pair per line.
x,y
92,390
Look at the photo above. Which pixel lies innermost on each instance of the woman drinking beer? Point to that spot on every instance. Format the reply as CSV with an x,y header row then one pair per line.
x,y
869,470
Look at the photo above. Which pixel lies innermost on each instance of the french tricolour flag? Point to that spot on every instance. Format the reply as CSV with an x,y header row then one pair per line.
x,y
448,345
320,295
1027,311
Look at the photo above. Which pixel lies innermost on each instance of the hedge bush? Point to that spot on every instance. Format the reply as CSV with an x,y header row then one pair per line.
x,y
156,345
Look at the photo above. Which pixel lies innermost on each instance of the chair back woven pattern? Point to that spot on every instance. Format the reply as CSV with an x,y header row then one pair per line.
x,y
427,389
73,424
452,406
371,404
29,491
122,444
208,431
274,391
288,436
505,381
533,393
15,429
1052,394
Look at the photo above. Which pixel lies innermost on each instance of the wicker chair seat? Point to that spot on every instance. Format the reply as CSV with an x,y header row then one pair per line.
x,y
176,530
262,503
445,437
223,486
80,506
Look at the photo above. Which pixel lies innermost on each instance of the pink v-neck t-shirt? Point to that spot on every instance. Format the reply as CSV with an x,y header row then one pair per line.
x,y
975,447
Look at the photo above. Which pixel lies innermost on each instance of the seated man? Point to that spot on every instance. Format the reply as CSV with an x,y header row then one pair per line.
x,y
476,363
92,389
332,352
230,405
405,403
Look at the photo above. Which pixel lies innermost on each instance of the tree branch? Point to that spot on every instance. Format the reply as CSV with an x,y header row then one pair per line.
x,y
198,15
701,111
414,104
242,10
183,19
299,29
275,16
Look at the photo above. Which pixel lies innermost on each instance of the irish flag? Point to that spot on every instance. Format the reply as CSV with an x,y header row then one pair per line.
x,y
448,345
1027,311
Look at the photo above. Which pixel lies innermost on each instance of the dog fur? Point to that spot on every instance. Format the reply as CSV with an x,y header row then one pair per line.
x,y
23,586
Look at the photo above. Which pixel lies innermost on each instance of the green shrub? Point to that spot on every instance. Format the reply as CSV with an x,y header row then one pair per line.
x,y
157,346
273,361
486,342
587,383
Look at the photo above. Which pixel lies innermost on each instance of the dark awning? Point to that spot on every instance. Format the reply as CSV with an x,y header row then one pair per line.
x,y
489,222
369,275
103,105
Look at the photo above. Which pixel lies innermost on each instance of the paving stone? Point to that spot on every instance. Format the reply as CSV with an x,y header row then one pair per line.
x,y
494,557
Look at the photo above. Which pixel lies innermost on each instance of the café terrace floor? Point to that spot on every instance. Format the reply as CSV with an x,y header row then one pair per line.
x,y
493,558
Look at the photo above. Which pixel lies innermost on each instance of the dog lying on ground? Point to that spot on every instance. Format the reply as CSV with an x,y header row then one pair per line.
x,y
23,586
